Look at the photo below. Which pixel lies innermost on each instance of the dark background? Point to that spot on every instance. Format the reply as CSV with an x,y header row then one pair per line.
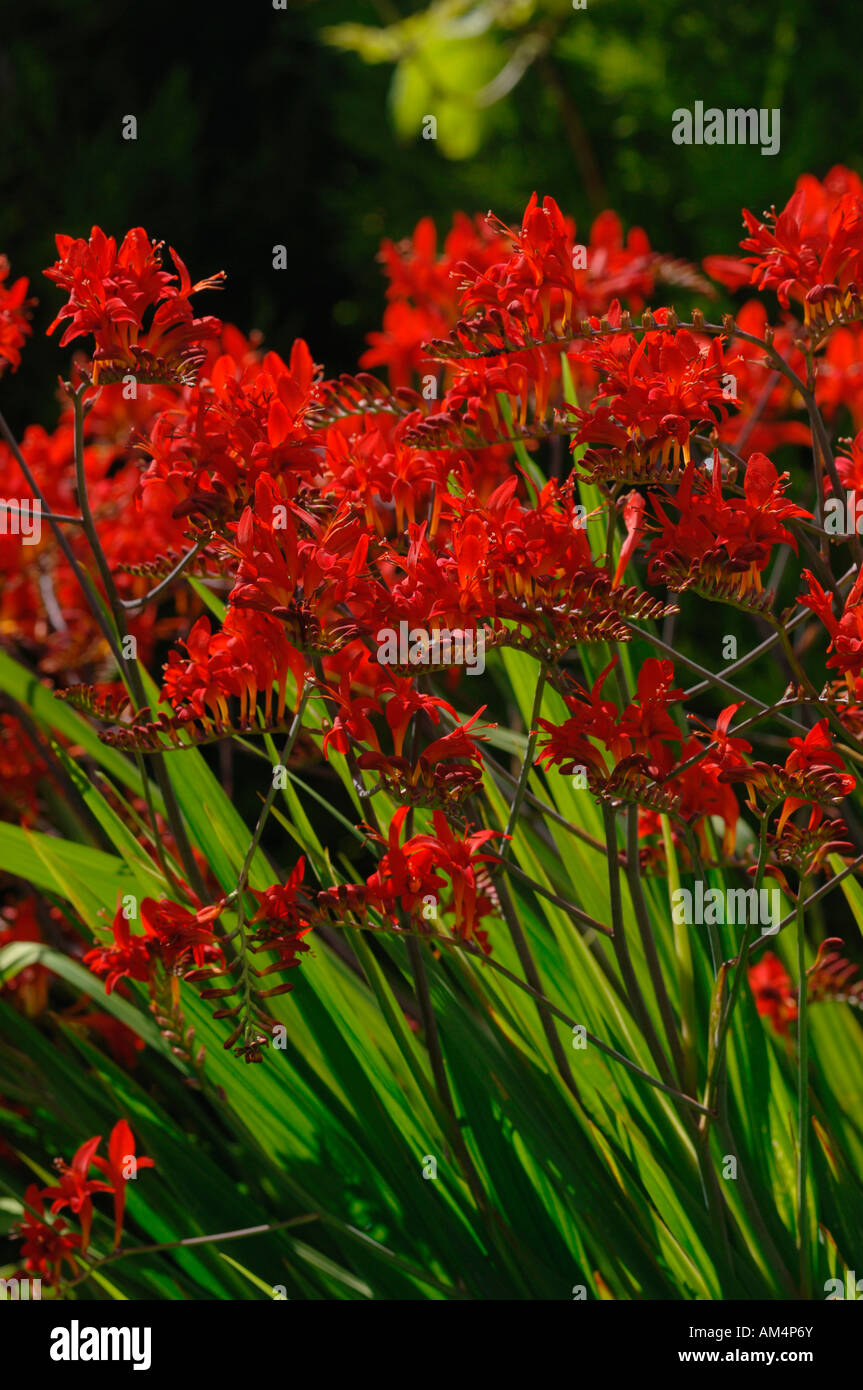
x,y
252,132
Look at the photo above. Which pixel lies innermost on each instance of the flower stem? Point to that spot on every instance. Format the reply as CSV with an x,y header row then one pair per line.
x,y
642,916
683,953
711,1088
238,935
621,949
129,668
519,940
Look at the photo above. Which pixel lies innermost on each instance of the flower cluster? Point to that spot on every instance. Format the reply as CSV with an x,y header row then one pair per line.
x,y
423,876
811,251
174,938
49,1245
112,291
653,393
326,513
717,541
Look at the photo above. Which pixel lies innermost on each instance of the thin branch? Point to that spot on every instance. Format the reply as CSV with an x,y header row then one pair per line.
x,y
56,517
712,677
132,603
813,898
571,1022
578,913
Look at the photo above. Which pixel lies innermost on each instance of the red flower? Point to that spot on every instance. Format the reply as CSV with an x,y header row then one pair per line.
x,y
412,873
171,934
773,992
569,745
298,570
249,657
445,772
281,922
846,633
457,857
767,398
699,792
811,251
130,957
654,391
121,1154
544,286
646,722
75,1189
178,933
644,728
112,290
840,383
850,466
811,776
730,751
716,537
246,417
14,318
633,518
45,1247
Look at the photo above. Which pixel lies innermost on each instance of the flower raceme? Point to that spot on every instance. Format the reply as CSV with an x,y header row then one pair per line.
x,y
846,632
830,978
297,569
634,754
718,537
811,776
652,393
249,657
429,877
244,418
422,294
283,918
812,250
544,285
46,1246
442,773
173,937
111,292
644,728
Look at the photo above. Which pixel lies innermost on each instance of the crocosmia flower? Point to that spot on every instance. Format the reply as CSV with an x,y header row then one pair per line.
x,y
138,313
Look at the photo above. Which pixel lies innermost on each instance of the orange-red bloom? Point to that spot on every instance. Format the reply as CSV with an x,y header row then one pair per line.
x,y
112,292
14,318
